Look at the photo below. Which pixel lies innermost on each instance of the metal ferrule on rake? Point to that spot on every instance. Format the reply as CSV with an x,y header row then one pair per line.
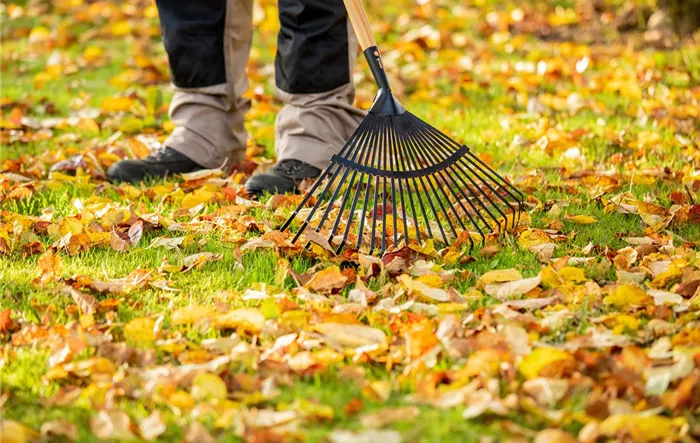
x,y
399,180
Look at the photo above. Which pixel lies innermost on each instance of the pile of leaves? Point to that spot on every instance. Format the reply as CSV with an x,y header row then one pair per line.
x,y
581,323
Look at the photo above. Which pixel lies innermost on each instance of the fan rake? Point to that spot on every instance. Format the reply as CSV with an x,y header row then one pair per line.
x,y
402,179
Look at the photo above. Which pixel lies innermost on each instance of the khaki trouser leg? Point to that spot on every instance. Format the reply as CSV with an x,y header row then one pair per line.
x,y
314,127
209,120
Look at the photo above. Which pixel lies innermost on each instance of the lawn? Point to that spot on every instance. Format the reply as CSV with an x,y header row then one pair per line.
x,y
175,310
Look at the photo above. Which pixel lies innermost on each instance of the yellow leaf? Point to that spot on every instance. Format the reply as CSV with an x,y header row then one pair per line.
x,y
190,314
569,273
432,280
642,428
93,53
482,362
580,219
88,125
539,359
197,198
663,278
427,248
246,320
121,28
554,279
500,276
421,289
625,323
39,34
141,331
206,386
530,238
13,432
181,400
627,294
116,104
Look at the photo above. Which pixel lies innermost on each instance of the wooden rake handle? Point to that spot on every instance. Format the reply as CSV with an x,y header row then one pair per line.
x,y
360,23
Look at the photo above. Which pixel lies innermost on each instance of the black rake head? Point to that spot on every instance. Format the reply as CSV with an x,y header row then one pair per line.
x,y
399,180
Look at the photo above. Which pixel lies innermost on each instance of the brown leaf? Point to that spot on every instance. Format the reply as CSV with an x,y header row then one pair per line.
x,y
86,302
118,240
6,322
111,425
50,266
554,436
388,416
59,428
195,432
328,280
310,235
135,232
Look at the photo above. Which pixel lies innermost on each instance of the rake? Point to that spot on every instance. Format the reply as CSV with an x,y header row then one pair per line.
x,y
403,180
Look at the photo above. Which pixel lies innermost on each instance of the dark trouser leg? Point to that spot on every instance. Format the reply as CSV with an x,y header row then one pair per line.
x,y
313,72
208,43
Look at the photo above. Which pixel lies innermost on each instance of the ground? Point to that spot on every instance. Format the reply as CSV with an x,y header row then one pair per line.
x,y
175,310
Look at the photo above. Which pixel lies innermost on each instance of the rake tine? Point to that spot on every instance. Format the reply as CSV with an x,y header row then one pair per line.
x,y
493,191
404,146
421,142
385,148
304,200
474,196
379,150
437,133
369,180
508,186
392,144
360,142
416,220
478,160
366,148
431,149
411,153
394,167
318,181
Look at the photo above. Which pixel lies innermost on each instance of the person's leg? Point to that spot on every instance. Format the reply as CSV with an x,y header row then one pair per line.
x,y
208,43
316,50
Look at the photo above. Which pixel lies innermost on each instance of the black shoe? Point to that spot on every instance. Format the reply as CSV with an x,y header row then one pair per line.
x,y
283,178
159,164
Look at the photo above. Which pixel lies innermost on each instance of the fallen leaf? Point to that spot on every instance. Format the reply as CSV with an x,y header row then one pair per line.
x,y
539,359
642,427
327,280
50,430
511,289
388,416
87,303
553,436
625,295
206,386
14,432
245,320
190,314
152,426
422,290
371,436
580,219
111,424
499,276
342,336
141,331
